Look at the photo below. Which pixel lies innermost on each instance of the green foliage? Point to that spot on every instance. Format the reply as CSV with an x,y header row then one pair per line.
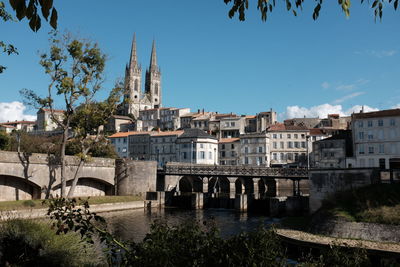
x,y
100,148
191,244
29,9
32,243
266,7
29,203
374,203
5,140
34,144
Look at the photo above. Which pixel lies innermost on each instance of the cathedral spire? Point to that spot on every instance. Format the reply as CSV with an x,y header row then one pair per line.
x,y
133,61
153,58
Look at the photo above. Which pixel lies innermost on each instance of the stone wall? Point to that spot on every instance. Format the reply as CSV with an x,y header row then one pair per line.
x,y
326,182
358,230
134,177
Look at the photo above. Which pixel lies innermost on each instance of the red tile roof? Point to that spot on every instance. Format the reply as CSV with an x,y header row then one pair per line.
x,y
377,114
282,127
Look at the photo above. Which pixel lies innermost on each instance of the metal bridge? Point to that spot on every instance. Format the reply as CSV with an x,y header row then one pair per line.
x,y
174,168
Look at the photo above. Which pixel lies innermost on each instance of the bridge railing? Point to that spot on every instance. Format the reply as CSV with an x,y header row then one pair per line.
x,y
234,170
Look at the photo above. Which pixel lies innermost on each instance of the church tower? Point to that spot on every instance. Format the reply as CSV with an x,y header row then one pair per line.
x,y
153,80
133,80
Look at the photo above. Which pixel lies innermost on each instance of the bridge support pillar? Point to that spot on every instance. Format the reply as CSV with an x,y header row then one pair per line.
x,y
232,187
197,200
241,202
255,188
205,185
296,187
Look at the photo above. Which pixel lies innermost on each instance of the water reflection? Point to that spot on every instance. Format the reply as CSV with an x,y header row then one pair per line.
x,y
134,224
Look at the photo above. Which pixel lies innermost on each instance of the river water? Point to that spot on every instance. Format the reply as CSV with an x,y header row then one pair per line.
x,y
135,224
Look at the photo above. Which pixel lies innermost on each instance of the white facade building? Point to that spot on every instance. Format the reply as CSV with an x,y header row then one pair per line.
x,y
376,138
254,149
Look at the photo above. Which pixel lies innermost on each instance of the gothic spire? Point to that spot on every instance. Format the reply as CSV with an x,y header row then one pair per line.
x,y
133,60
153,58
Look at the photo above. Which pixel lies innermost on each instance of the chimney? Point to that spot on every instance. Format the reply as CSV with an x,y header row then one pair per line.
x,y
198,111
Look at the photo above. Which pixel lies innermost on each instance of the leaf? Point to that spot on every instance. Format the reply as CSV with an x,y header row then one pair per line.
x,y
395,4
35,23
54,18
20,9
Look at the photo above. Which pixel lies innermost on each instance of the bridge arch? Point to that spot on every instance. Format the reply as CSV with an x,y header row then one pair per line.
x,y
18,188
87,186
190,184
218,185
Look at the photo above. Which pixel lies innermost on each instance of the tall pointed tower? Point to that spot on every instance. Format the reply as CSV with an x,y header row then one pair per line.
x,y
133,81
153,80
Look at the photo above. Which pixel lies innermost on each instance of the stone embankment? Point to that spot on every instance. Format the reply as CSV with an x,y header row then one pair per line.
x,y
305,239
41,213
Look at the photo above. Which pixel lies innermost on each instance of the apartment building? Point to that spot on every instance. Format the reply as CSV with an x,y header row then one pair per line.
x,y
120,143
229,149
288,144
45,121
163,147
376,138
197,147
254,149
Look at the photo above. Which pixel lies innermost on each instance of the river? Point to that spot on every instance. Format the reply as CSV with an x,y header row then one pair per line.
x,y
135,224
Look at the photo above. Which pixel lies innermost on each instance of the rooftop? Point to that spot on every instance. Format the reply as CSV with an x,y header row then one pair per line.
x,y
283,127
228,140
196,133
377,114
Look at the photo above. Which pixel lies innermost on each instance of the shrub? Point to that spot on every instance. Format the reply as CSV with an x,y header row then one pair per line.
x,y
32,243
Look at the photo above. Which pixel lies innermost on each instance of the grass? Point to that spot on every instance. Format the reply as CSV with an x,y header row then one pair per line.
x,y
34,243
37,203
375,204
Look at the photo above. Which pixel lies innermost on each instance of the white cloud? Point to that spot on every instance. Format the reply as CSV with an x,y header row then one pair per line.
x,y
378,53
11,111
321,111
396,106
346,87
347,97
325,85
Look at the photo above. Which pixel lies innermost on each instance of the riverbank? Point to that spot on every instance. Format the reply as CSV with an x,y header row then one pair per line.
x,y
34,213
311,240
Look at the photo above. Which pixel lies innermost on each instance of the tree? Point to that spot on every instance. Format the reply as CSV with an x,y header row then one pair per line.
x,y
75,68
4,140
266,7
27,9
88,123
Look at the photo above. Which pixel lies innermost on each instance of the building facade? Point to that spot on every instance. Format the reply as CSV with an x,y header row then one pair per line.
x,y
376,138
229,149
254,149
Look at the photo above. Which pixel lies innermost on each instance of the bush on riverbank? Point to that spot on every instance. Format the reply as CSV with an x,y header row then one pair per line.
x,y
32,243
374,204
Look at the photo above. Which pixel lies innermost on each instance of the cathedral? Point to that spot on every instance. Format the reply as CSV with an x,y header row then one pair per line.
x,y
135,99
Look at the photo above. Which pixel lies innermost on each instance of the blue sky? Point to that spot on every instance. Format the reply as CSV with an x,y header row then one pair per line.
x,y
294,65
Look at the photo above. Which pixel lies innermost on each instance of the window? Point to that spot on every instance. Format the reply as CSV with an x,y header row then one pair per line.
x,y
380,122
275,156
246,150
303,136
275,145
259,160
232,124
296,136
289,156
296,156
382,163
282,144
223,146
290,144
361,135
246,160
332,154
369,123
223,154
381,148
233,154
392,122
202,155
232,146
289,136
371,150
274,136
370,135
360,124
296,144
210,155
124,140
260,149
282,156
303,144
361,149
280,136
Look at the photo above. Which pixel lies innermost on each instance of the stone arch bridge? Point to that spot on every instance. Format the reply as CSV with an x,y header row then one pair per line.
x,y
32,176
229,182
